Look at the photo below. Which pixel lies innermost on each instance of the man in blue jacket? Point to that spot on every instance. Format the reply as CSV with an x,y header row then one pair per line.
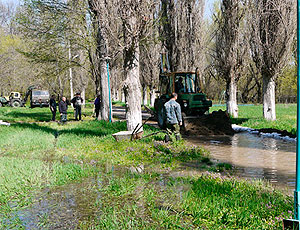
x,y
173,117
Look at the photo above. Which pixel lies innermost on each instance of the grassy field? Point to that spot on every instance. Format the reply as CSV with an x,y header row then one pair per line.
x,y
35,156
252,116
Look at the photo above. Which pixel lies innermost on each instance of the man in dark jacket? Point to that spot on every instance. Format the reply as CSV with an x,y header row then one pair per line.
x,y
63,108
53,106
77,102
97,106
173,117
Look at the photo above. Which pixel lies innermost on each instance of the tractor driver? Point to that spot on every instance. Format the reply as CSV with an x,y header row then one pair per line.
x,y
179,87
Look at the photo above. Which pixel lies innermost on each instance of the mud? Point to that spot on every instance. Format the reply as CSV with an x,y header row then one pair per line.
x,y
282,133
216,123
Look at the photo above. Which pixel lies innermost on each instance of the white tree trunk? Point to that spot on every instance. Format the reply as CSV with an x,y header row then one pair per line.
x,y
123,96
145,98
269,99
152,96
83,96
114,94
133,94
231,103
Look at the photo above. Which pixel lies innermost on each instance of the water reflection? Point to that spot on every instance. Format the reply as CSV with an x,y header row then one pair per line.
x,y
255,156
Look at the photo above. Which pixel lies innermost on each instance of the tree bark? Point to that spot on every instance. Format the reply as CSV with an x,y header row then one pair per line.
x,y
132,90
104,92
269,110
231,102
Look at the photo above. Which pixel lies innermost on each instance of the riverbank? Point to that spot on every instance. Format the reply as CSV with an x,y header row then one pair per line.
x,y
252,116
142,184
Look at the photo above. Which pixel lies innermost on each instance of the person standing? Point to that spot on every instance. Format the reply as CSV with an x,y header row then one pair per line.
x,y
63,108
77,102
173,118
53,107
97,106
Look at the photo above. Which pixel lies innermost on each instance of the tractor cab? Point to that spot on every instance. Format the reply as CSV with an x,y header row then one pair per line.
x,y
187,86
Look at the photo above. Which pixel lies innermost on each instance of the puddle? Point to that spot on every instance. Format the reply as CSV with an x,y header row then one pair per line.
x,y
65,207
255,156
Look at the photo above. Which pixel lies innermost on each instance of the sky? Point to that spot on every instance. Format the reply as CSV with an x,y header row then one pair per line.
x,y
208,11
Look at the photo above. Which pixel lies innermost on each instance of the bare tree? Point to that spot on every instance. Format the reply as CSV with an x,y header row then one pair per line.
x,y
229,50
101,58
135,18
273,28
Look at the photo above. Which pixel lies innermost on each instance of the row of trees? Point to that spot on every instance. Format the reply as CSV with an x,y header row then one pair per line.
x,y
246,48
256,38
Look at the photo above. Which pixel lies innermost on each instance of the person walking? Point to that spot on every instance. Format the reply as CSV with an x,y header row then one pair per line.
x,y
97,106
53,106
63,108
77,102
173,118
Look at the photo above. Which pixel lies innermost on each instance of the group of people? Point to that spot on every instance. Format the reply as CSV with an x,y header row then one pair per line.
x,y
172,112
77,102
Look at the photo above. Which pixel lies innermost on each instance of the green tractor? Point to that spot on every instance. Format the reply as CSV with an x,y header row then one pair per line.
x,y
192,100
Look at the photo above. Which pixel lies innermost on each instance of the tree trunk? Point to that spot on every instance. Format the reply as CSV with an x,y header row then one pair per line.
x,y
152,96
123,96
269,98
113,96
104,92
132,90
145,98
117,95
231,100
83,78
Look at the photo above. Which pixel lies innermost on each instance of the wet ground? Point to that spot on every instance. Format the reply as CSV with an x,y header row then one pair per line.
x,y
78,205
255,156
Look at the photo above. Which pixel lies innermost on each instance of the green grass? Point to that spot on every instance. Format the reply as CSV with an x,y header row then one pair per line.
x,y
252,116
65,151
23,114
34,156
209,202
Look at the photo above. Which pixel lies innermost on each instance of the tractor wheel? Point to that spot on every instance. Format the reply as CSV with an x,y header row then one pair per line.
x,y
15,103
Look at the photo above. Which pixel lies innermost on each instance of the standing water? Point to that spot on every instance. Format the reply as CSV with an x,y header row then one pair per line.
x,y
255,156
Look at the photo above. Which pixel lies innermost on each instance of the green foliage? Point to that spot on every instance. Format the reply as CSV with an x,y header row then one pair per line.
x,y
287,82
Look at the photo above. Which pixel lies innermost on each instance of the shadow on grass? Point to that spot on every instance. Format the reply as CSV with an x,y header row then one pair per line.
x,y
98,129
36,116
239,121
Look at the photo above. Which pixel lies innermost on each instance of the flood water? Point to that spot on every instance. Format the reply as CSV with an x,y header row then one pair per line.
x,y
78,205
255,156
